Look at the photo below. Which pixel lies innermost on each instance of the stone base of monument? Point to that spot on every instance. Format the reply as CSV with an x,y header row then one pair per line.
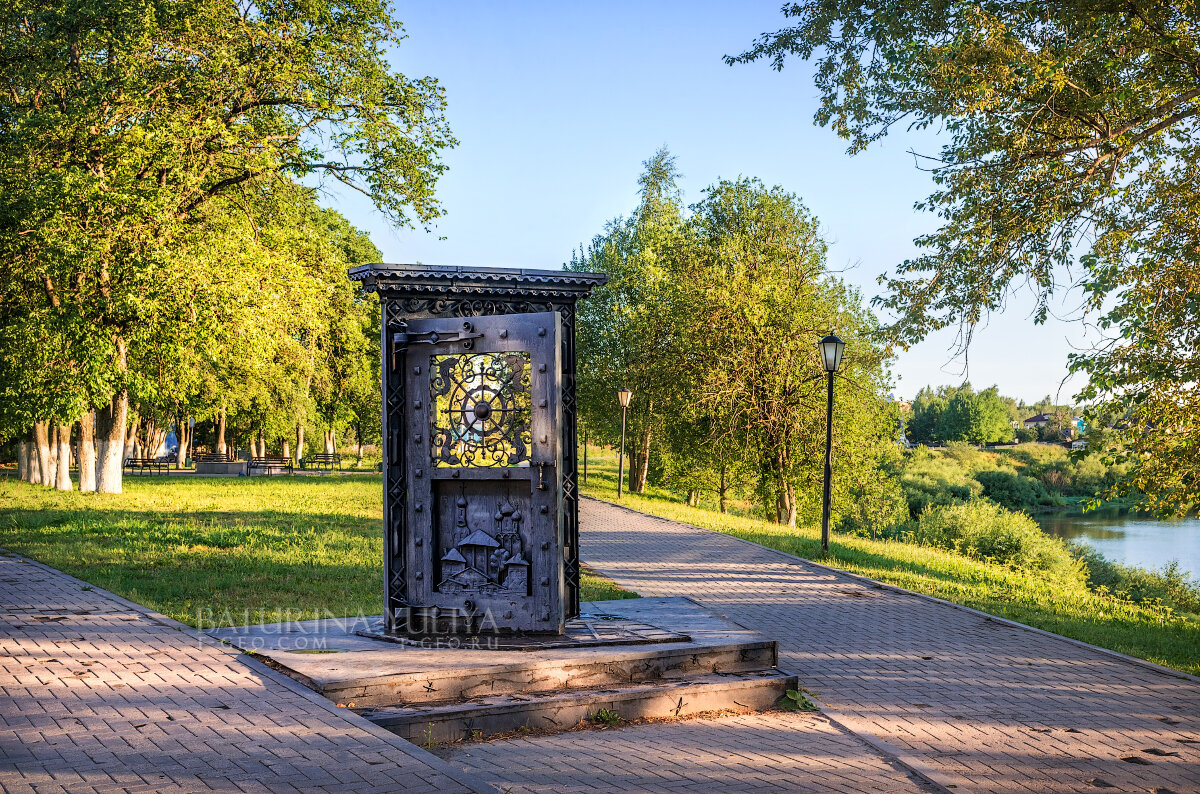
x,y
636,658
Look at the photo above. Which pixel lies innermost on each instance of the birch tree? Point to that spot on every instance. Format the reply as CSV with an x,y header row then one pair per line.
x,y
122,126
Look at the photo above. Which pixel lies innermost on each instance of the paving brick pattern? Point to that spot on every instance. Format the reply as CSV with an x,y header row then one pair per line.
x,y
749,753
96,695
987,706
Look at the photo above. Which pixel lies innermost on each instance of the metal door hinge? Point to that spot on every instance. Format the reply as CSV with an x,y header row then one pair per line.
x,y
467,335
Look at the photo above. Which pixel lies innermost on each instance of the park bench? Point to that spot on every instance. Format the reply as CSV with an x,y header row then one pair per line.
x,y
214,457
270,465
322,461
147,464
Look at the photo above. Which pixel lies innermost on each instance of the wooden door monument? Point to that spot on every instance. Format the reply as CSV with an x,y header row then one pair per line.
x,y
481,527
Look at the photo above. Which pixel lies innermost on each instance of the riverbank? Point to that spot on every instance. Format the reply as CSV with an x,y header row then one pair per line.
x,y
1067,604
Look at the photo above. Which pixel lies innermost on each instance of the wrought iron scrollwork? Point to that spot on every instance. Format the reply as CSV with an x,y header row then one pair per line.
x,y
481,409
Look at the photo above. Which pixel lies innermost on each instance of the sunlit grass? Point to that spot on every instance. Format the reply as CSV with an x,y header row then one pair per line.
x,y
1070,608
199,550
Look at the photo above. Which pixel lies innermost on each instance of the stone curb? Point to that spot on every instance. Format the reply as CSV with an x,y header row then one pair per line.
x,y
407,748
942,781
1158,668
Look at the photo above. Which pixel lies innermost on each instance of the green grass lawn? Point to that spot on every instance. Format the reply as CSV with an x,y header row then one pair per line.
x,y
1146,630
227,550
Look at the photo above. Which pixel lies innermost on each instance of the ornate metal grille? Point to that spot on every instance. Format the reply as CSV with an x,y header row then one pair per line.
x,y
481,409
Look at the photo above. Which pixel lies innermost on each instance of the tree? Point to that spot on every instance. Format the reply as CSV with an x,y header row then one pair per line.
x,y
126,130
754,299
627,331
928,408
959,413
1070,147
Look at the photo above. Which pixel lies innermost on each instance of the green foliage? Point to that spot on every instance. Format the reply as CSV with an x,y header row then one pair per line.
x,y
757,297
230,550
628,331
1026,434
874,506
1171,586
605,717
1062,604
988,532
1069,145
153,239
1012,491
959,414
797,700
928,479
712,320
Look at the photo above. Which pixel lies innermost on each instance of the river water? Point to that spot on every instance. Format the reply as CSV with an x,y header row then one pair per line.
x,y
1131,538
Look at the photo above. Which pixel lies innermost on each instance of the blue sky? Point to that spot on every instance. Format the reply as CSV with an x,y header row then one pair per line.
x,y
556,105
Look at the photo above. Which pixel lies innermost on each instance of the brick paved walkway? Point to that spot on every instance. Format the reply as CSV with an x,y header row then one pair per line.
x,y
983,705
750,753
100,695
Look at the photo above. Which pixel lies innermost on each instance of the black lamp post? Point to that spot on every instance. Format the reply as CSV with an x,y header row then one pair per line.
x,y
831,359
624,395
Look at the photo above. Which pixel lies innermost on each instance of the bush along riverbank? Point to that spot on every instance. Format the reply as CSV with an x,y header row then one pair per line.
x,y
960,540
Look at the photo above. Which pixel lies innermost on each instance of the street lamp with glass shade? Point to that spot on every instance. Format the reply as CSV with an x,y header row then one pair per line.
x,y
624,395
831,349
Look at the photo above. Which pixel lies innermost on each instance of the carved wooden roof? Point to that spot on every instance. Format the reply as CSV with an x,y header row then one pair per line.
x,y
405,280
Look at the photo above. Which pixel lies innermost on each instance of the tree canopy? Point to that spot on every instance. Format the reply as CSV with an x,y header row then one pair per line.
x,y
711,316
1069,157
152,207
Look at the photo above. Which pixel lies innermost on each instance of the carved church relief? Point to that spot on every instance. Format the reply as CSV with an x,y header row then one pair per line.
x,y
482,562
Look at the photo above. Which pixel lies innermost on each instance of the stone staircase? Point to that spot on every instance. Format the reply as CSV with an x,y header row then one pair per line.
x,y
556,695
635,658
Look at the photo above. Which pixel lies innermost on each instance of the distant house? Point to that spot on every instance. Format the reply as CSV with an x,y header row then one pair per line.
x,y
1041,420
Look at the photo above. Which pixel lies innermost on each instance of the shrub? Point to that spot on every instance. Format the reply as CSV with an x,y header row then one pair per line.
x,y
986,531
1013,491
877,506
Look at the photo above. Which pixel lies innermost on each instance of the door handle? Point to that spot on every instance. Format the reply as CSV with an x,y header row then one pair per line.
x,y
541,483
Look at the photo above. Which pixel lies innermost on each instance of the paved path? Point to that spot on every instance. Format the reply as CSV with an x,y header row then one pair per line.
x,y
97,694
977,704
770,752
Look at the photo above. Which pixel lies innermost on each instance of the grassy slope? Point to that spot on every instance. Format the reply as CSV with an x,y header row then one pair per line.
x,y
236,550
1065,608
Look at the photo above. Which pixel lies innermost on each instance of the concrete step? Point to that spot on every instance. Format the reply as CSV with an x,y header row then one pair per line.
x,y
747,689
590,668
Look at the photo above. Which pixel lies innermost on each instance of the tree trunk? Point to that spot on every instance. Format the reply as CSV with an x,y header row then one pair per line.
x,y
50,480
330,439
785,503
262,443
287,448
63,481
184,434
221,448
358,439
724,487
110,442
129,434
87,452
23,461
640,468
154,439
693,498
299,441
41,441
35,465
